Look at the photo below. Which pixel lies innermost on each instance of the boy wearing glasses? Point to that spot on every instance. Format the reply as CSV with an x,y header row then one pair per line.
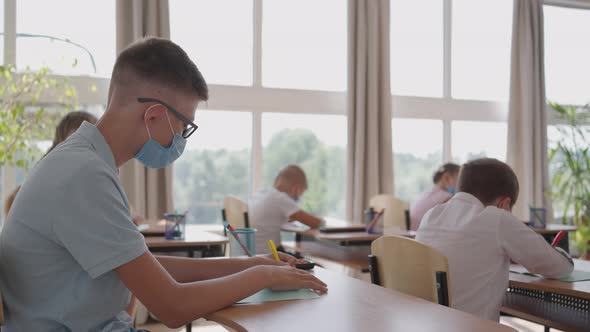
x,y
70,255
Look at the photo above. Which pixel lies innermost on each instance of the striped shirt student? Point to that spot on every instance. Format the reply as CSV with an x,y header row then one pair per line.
x,y
479,235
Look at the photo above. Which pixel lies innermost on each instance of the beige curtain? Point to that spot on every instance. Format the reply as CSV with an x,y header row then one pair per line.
x,y
149,191
370,161
527,120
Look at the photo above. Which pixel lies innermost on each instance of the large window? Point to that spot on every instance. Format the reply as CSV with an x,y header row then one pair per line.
x,y
215,163
450,60
473,140
304,44
567,54
417,48
76,37
318,144
217,34
481,49
417,153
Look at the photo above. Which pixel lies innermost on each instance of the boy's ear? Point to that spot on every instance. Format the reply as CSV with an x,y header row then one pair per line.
x,y
504,204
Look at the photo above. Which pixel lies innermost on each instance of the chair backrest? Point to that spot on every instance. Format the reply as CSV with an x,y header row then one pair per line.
x,y
235,212
395,210
410,267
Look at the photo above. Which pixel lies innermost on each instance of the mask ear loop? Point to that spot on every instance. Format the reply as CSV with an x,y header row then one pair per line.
x,y
145,115
173,133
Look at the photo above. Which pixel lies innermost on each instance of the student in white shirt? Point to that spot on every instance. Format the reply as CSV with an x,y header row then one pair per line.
x,y
270,209
479,236
445,184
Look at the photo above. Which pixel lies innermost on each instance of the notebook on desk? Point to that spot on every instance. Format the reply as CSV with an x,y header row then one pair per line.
x,y
343,229
576,275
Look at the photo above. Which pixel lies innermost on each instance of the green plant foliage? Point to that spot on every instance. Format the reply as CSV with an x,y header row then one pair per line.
x,y
570,168
24,120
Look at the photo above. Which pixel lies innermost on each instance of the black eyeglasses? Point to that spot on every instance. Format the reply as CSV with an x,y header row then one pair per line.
x,y
189,126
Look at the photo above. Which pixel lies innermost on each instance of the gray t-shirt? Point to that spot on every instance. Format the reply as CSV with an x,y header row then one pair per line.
x,y
68,229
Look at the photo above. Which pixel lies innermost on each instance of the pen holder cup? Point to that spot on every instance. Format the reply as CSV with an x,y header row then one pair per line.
x,y
175,226
538,217
369,215
248,238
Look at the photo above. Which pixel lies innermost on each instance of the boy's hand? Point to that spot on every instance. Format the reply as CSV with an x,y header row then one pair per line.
x,y
283,278
286,259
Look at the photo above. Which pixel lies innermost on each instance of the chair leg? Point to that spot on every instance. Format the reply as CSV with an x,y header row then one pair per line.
x,y
442,288
373,270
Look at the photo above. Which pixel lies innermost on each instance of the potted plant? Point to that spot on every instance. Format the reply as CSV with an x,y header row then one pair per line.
x,y
570,168
24,119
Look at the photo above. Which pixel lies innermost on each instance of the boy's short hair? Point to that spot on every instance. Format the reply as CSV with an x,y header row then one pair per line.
x,y
488,179
161,61
291,175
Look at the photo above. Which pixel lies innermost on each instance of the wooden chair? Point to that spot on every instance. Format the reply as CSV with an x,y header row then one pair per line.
x,y
410,267
396,213
235,212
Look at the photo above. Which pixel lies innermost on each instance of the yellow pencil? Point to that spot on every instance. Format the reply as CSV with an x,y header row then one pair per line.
x,y
273,250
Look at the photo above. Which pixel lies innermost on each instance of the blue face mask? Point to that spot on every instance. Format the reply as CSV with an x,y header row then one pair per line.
x,y
154,155
451,190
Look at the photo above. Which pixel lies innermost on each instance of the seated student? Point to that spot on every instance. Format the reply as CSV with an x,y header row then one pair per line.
x,y
479,235
269,209
445,182
68,125
71,256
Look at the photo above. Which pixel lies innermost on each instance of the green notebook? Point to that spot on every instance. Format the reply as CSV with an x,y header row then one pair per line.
x,y
267,295
576,275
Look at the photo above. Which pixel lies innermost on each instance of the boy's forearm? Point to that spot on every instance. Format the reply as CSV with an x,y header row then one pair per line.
x,y
184,269
196,299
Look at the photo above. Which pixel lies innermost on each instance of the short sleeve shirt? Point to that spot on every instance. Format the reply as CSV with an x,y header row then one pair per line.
x,y
68,228
268,210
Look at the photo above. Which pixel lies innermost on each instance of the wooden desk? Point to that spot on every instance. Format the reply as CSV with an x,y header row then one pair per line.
x,y
356,257
195,240
351,305
551,230
552,303
555,228
344,238
347,248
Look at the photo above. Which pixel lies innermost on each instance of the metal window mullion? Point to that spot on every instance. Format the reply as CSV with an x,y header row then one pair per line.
x,y
256,177
8,172
447,48
447,143
257,43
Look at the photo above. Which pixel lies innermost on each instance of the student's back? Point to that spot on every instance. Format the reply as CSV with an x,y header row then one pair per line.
x,y
270,209
55,256
479,242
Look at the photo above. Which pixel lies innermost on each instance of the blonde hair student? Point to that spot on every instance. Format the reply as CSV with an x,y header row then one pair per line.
x,y
478,234
270,208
